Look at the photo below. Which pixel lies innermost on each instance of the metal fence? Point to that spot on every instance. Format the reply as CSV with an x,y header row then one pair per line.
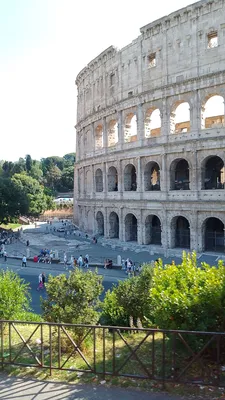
x,y
154,354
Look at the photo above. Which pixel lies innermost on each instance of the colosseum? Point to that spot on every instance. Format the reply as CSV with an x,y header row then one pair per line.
x,y
151,135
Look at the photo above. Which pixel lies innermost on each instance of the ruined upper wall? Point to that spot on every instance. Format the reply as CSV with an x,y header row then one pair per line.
x,y
179,43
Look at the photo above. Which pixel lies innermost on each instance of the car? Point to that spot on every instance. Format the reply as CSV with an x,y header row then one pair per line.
x,y
61,230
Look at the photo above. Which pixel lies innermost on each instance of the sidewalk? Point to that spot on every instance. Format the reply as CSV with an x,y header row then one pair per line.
x,y
30,389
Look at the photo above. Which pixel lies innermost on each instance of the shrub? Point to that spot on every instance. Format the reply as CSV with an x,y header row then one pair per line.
x,y
189,297
14,295
73,299
129,302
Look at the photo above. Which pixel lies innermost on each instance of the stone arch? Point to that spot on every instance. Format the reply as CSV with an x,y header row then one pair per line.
x,y
99,180
213,234
113,225
153,230
130,178
179,175
180,232
112,132
131,228
112,179
153,122
152,176
180,117
130,132
99,137
100,223
213,173
212,112
88,182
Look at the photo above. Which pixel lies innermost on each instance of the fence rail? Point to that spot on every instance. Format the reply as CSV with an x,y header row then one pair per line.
x,y
154,354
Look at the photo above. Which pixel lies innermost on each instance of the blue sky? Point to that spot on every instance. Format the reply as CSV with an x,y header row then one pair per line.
x,y
43,45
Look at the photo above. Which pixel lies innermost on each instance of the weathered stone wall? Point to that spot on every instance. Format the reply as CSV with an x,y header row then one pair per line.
x,y
127,118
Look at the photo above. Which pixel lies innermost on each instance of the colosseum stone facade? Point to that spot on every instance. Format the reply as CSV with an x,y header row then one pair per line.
x,y
151,135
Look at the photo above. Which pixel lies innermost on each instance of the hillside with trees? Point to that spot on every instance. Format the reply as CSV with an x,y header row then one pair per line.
x,y
27,186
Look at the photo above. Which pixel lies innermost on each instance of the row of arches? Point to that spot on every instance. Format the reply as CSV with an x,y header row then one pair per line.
x,y
212,115
212,176
212,230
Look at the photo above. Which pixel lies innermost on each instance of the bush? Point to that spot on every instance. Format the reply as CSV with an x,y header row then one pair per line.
x,y
73,299
14,295
128,303
189,297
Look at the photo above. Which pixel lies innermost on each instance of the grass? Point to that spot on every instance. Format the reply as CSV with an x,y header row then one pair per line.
x,y
124,342
10,226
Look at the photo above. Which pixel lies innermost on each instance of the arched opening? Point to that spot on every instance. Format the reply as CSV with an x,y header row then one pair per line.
x,y
213,173
180,233
130,178
180,118
214,235
100,223
130,228
99,137
179,175
213,112
99,180
130,132
112,133
153,123
113,226
112,180
152,230
152,176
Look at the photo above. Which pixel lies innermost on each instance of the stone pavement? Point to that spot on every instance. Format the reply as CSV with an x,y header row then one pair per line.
x,y
29,389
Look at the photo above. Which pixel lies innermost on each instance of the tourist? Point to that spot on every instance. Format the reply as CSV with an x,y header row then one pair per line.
x,y
24,261
86,261
5,255
43,278
80,261
65,258
28,243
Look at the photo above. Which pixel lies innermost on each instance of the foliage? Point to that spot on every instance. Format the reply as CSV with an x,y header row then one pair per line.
x,y
13,201
36,197
129,301
188,297
73,299
14,295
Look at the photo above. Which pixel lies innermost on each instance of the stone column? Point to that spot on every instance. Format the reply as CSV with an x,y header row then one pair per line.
x,y
93,137
93,181
104,178
140,228
140,123
195,112
120,178
105,135
121,224
194,232
164,175
139,175
120,129
165,118
164,232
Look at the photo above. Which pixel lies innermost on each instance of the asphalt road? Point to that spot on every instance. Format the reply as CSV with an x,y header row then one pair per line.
x,y
31,272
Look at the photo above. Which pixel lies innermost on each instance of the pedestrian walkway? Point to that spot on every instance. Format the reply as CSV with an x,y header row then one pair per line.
x,y
29,389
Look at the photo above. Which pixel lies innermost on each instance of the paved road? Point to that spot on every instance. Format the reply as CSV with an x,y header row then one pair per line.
x,y
31,272
29,389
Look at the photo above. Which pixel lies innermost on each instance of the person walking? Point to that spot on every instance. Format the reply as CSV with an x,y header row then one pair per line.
x,y
5,255
43,278
86,261
80,261
65,258
24,261
40,282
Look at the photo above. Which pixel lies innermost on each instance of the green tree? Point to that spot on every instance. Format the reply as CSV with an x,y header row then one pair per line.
x,y
188,296
53,177
73,299
37,200
67,178
14,295
130,300
13,200
28,163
